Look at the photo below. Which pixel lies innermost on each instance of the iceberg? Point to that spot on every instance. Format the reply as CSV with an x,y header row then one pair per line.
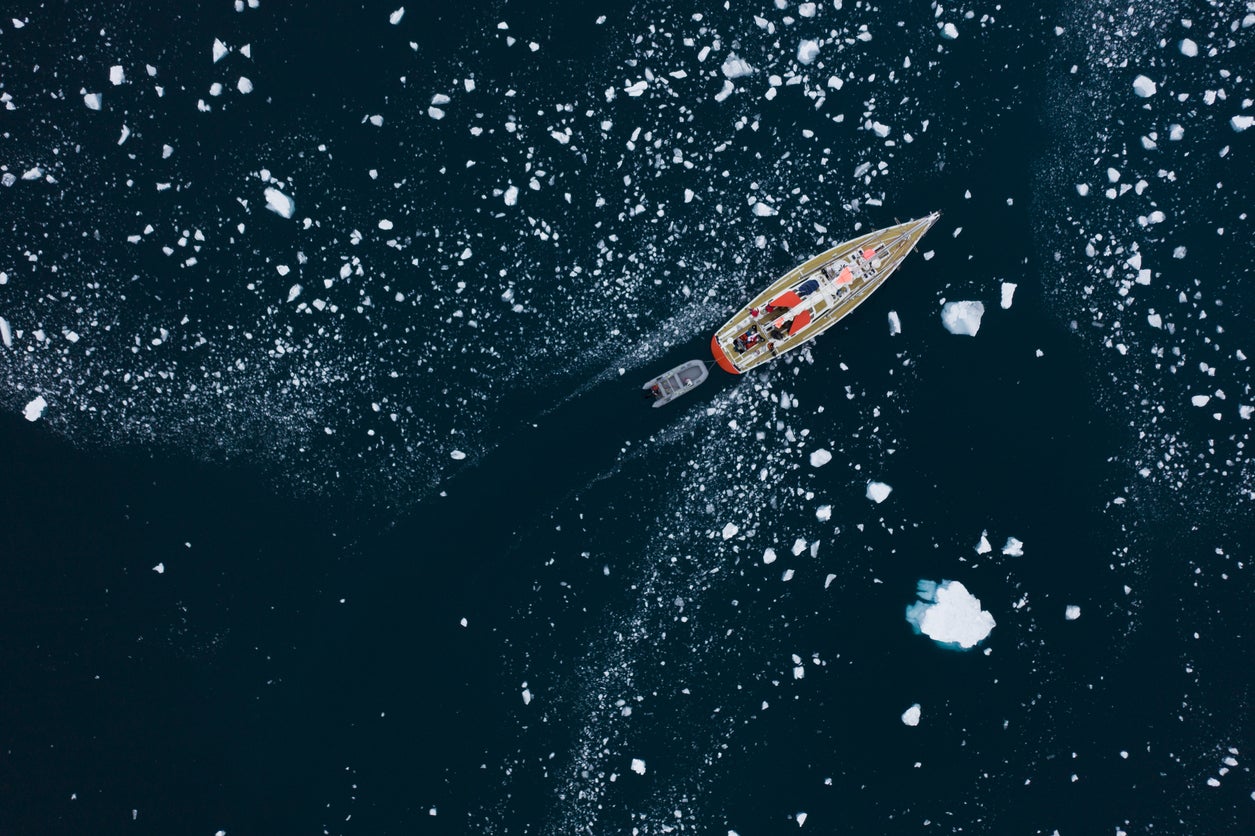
x,y
279,203
949,615
35,409
878,492
962,318
910,717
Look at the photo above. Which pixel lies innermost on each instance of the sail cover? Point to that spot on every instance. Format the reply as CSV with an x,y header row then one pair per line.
x,y
799,322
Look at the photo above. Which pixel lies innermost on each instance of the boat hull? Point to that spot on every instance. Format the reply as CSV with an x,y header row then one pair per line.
x,y
813,297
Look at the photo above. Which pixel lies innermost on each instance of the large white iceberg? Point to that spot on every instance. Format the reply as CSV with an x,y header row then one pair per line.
x,y
949,615
962,318
279,203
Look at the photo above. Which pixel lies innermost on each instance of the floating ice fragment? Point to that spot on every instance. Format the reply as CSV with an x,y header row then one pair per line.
x,y
1082,189
734,67
1144,87
1155,320
294,292
244,85
6,335
799,546
880,130
279,203
636,89
949,32
1200,400
1008,293
92,100
35,408
962,318
948,614
801,819
396,16
983,546
1188,48
895,324
457,455
806,9
385,224
878,492
910,717
820,457
440,99
220,49
769,556
1072,612
729,531
116,75
1241,122
160,568
527,696
823,513
807,51
435,113
726,91
511,195
638,766
763,210
1013,547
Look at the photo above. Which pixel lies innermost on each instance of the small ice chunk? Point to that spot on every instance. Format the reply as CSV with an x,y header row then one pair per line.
x,y
895,324
244,85
1013,547
385,224
396,16
769,556
801,819
35,408
440,99
729,531
948,614
823,513
6,334
1072,612
1155,320
294,292
983,546
807,51
820,457
1188,48
1082,189
511,195
962,318
435,113
726,91
638,766
457,455
949,32
734,67
763,210
527,696
799,546
160,568
1008,293
1144,87
910,717
117,75
878,492
92,100
1200,400
279,203
220,49
880,130
1241,122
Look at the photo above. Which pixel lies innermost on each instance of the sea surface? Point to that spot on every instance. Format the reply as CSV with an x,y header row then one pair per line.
x,y
330,503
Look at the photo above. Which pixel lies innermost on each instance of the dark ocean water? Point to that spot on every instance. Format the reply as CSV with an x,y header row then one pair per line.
x,y
427,562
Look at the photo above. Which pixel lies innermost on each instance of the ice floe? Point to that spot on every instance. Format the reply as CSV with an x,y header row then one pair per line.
x,y
638,766
878,492
807,51
1008,294
396,16
279,203
949,615
734,67
92,100
1072,612
820,457
35,408
1144,87
910,717
1013,547
962,318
